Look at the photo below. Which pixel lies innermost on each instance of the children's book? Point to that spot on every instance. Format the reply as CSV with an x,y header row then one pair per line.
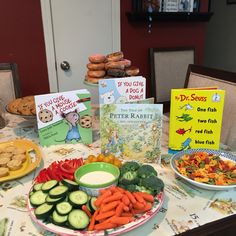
x,y
122,90
195,118
132,131
64,117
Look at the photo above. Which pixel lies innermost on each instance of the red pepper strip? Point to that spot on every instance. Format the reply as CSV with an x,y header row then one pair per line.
x,y
68,176
67,168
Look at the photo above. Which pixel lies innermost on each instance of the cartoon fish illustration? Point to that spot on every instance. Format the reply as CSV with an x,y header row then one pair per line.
x,y
182,131
186,144
184,117
186,106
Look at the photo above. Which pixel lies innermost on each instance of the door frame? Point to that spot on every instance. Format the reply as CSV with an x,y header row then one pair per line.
x,y
49,38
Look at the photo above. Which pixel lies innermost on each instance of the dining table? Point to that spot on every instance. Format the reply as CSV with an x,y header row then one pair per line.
x,y
185,210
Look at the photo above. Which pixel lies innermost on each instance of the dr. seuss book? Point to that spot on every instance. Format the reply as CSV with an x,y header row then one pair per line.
x,y
64,117
195,118
122,90
132,131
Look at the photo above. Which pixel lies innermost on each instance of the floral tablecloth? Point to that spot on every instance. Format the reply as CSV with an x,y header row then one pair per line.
x,y
185,207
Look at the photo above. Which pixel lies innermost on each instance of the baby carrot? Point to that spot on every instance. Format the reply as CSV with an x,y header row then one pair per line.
x,y
121,220
119,209
146,196
116,196
139,198
120,189
92,221
103,226
125,214
148,206
105,215
138,206
109,206
130,196
125,200
100,199
125,208
86,210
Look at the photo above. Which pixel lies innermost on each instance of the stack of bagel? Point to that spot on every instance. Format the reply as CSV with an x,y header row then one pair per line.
x,y
112,65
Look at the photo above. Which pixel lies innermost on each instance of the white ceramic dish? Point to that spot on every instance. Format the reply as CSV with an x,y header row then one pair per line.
x,y
223,155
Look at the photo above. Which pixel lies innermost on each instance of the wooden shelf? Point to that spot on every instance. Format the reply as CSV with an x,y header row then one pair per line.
x,y
170,16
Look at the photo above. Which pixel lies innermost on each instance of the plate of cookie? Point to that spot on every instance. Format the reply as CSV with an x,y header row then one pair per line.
x,y
24,107
18,158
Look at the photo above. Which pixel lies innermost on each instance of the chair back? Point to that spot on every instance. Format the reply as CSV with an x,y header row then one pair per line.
x,y
9,82
200,76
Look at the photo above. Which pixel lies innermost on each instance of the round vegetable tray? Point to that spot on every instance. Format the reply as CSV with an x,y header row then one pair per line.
x,y
139,220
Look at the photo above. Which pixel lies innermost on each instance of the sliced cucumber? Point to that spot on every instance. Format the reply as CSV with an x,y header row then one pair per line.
x,y
72,185
78,198
38,198
63,208
91,204
47,186
37,187
59,219
58,191
43,211
78,219
54,201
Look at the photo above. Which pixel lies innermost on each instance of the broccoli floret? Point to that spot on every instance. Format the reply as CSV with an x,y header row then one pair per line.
x,y
129,166
145,171
143,189
152,184
129,177
131,188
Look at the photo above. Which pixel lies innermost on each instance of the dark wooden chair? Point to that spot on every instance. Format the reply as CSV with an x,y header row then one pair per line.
x,y
200,76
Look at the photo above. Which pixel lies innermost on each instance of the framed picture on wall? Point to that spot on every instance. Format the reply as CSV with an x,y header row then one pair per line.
x,y
151,5
185,5
196,5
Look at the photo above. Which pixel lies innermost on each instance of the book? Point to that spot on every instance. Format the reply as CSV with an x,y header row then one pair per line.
x,y
132,131
195,118
122,90
64,117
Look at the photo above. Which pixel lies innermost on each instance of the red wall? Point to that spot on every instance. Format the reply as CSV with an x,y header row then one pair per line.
x,y
22,42
136,41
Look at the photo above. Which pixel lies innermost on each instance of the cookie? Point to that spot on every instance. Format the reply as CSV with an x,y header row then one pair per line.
x,y
21,157
13,106
5,155
14,164
45,115
4,161
86,121
4,171
10,149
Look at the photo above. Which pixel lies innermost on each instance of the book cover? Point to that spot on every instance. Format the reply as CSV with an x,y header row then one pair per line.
x,y
64,117
132,131
195,118
122,90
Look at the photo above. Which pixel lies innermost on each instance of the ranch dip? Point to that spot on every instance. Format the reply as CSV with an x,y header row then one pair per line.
x,y
97,177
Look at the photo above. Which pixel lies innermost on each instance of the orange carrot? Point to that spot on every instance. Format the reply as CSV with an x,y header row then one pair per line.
x,y
109,206
125,214
138,197
116,196
86,210
148,206
119,209
120,189
146,196
125,200
139,206
92,221
105,215
103,226
130,196
121,220
125,208
100,199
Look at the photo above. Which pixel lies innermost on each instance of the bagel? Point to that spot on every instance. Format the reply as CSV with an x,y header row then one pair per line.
x,y
96,73
96,66
97,58
132,71
115,56
122,64
116,72
92,80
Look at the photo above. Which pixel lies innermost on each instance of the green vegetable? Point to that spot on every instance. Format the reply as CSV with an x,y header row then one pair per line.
x,y
152,184
129,173
145,171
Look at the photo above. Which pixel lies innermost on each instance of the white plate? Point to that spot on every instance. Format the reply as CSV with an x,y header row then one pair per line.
x,y
141,219
223,155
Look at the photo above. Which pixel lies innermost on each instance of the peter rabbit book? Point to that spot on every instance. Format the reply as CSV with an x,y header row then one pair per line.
x,y
64,117
132,131
195,118
122,90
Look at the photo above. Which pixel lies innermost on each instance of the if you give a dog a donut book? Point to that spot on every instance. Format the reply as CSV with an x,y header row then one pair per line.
x,y
64,117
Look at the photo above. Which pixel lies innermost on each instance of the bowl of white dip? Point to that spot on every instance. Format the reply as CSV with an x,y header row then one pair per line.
x,y
95,176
